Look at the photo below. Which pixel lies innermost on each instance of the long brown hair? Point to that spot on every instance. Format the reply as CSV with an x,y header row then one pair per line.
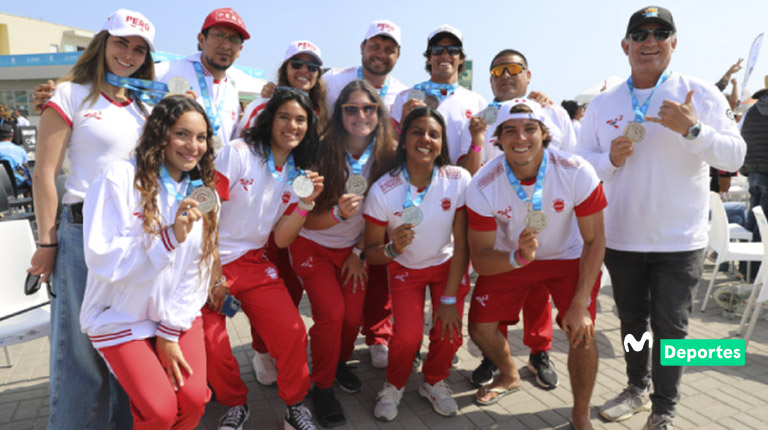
x,y
332,164
91,68
316,94
150,157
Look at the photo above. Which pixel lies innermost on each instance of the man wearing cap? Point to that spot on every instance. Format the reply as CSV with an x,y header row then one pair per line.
x,y
220,41
445,61
754,130
535,223
380,51
651,142
510,78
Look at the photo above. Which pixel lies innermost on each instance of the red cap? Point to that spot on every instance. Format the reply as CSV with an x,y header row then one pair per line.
x,y
226,17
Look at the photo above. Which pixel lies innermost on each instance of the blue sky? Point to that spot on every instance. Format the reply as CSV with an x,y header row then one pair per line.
x,y
570,45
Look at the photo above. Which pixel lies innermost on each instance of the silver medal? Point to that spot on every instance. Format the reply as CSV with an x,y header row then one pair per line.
x,y
536,220
217,143
356,184
303,186
489,115
416,94
178,85
635,131
205,197
413,215
431,101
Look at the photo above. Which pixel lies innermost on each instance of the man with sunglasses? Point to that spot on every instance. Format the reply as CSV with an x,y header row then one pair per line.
x,y
445,61
219,42
651,142
380,51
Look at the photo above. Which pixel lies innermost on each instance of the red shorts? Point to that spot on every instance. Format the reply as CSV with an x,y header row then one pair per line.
x,y
500,297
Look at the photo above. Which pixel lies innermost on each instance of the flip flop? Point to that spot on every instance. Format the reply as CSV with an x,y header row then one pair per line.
x,y
500,392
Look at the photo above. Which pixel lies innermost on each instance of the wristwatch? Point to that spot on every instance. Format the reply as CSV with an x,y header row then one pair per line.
x,y
359,252
694,131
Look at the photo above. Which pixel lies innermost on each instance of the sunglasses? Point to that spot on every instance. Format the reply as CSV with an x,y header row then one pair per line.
x,y
296,63
438,50
511,68
658,33
353,109
236,40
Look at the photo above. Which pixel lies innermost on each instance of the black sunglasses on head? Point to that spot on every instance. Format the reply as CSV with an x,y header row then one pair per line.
x,y
658,34
297,63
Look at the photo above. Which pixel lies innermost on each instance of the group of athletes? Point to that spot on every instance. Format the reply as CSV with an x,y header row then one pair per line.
x,y
362,192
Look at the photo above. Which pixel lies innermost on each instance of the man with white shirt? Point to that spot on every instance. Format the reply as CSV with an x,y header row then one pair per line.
x,y
651,142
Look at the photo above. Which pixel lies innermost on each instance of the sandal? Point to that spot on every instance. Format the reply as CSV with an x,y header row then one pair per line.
x,y
499,391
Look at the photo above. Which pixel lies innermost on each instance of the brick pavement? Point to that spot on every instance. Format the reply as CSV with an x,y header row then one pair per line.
x,y
712,397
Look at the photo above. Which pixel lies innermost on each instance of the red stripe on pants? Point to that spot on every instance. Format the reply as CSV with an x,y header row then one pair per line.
x,y
154,403
336,310
408,289
253,280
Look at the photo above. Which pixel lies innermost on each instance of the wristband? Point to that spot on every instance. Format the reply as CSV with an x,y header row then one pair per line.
x,y
448,300
306,207
513,260
302,213
520,257
475,148
48,245
221,282
389,250
336,214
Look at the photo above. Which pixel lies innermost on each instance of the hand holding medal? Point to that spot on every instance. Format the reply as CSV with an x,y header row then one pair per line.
x,y
528,243
186,215
308,186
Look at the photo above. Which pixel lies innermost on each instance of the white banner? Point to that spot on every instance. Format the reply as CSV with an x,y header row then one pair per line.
x,y
751,61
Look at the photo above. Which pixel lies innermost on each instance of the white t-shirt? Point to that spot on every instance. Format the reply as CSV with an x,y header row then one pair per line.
x,y
659,197
571,189
456,109
558,122
255,201
252,111
102,133
223,93
139,285
433,240
336,79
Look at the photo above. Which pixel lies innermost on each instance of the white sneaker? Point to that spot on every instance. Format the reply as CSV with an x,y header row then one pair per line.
x,y
387,402
441,397
622,407
379,356
264,366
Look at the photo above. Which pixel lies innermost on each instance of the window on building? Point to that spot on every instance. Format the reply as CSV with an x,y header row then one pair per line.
x,y
54,48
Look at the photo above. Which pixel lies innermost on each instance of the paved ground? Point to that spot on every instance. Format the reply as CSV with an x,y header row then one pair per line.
x,y
712,397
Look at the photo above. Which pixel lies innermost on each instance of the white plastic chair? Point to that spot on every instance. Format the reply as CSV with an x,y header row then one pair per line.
x,y
33,315
755,299
720,242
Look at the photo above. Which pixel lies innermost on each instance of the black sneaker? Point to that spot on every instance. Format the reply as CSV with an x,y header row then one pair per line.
x,y
234,418
347,380
544,370
327,409
298,417
483,375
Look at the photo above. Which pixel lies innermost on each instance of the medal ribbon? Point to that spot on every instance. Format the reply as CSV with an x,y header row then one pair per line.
x,y
357,165
641,110
384,88
436,89
495,103
417,201
538,187
215,121
147,91
290,166
168,183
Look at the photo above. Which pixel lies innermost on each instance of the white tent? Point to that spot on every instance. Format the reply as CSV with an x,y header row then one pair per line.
x,y
586,96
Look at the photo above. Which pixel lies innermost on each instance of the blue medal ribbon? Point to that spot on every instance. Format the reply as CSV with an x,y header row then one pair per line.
x,y
384,88
215,120
436,89
168,183
495,103
640,111
290,166
538,187
357,165
417,201
147,91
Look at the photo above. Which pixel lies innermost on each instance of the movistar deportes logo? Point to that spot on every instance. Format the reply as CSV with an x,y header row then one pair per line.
x,y
637,345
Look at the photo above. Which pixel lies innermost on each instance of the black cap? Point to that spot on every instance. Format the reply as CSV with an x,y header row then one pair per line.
x,y
651,14
6,129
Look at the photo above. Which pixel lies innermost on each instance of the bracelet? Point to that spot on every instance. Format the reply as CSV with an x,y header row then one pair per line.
x,y
302,213
336,214
221,282
48,245
475,148
520,257
513,261
306,207
389,250
448,300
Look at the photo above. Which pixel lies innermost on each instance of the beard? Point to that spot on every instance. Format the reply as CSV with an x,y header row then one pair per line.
x,y
371,70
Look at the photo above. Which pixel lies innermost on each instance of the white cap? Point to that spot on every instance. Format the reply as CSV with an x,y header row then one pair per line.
x,y
126,22
445,28
384,27
303,47
536,113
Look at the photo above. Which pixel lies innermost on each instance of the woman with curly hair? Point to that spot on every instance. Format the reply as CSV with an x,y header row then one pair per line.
x,y
327,254
94,123
151,249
